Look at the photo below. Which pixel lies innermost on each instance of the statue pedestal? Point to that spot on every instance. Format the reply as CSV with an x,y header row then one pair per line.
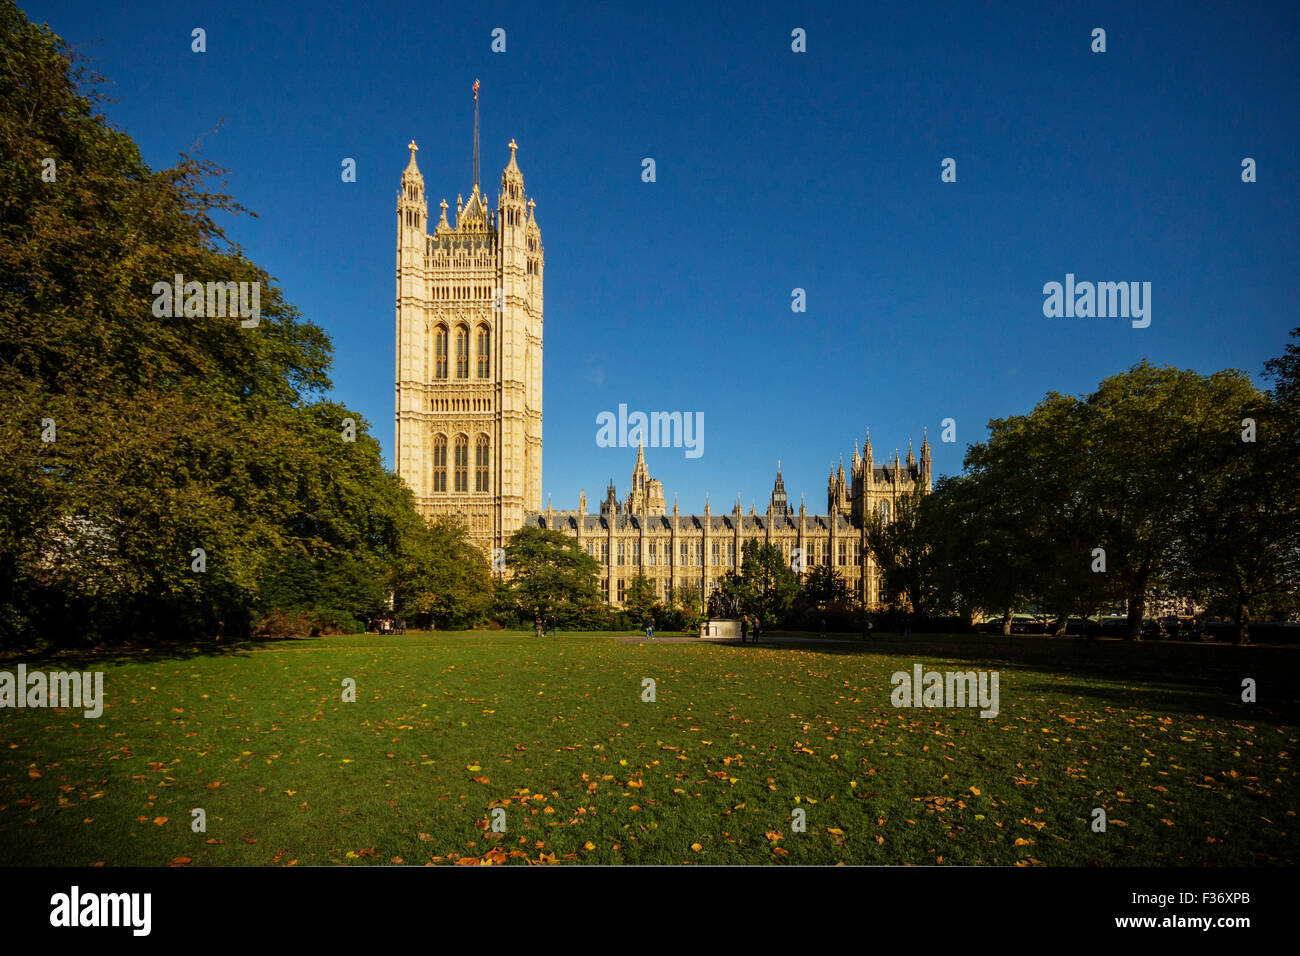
x,y
722,629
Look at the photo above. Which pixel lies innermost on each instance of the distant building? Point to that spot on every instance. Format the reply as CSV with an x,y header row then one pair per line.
x,y
469,417
640,535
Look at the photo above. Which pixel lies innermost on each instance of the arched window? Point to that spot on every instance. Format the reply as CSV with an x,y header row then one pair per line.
x,y
884,511
439,462
462,463
484,352
462,352
481,464
441,352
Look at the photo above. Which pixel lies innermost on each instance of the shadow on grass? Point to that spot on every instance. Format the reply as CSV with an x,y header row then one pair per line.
x,y
1202,677
86,657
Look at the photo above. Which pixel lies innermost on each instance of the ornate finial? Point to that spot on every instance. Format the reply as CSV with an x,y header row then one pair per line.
x,y
513,145
412,147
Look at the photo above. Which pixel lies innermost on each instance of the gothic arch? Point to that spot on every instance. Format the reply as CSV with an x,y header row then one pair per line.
x,y
439,483
440,350
484,350
482,460
461,464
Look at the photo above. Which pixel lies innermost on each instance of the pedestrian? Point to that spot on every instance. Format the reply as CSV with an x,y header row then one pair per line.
x,y
758,629
537,625
823,627
744,629
650,626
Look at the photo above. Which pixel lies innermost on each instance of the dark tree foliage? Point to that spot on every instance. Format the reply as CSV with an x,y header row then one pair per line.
x,y
132,441
1161,480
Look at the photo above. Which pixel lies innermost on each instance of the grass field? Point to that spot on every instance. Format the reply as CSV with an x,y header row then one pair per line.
x,y
448,727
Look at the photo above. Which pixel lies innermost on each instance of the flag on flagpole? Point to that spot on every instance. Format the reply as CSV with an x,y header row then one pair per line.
x,y
476,90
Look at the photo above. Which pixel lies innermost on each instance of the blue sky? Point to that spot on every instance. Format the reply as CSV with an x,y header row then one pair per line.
x,y
775,170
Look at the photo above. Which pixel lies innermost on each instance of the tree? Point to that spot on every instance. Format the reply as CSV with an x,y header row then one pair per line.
x,y
903,553
440,577
1239,530
550,575
161,476
822,587
639,600
1034,470
763,586
978,563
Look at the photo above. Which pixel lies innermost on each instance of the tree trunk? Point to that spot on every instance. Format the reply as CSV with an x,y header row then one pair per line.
x,y
1241,633
1006,623
1137,603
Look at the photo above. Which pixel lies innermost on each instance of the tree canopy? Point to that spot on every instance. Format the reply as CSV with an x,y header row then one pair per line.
x,y
166,477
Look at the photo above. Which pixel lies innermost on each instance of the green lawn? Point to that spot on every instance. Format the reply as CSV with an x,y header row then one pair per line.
x,y
447,727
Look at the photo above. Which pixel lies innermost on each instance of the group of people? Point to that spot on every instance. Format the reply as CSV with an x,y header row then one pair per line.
x,y
385,624
750,628
543,628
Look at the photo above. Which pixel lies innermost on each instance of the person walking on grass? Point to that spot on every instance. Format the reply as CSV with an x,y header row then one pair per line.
x,y
650,626
744,628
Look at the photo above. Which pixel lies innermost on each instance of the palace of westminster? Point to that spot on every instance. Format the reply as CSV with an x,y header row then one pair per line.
x,y
469,417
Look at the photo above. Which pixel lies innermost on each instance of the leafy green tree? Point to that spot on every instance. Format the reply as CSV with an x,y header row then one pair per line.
x,y
160,476
822,587
550,575
763,586
640,600
903,554
1238,532
979,566
440,577
1034,468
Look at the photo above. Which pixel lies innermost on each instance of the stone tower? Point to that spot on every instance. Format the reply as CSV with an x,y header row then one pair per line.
x,y
469,354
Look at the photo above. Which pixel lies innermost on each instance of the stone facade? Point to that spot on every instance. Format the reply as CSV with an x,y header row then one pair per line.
x,y
641,535
469,355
